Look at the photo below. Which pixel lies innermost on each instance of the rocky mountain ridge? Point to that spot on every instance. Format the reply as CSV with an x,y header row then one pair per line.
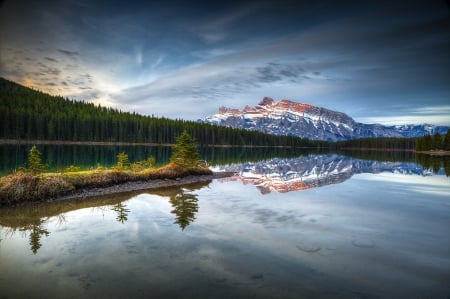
x,y
287,117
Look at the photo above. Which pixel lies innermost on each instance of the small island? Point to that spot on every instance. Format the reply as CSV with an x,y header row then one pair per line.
x,y
33,184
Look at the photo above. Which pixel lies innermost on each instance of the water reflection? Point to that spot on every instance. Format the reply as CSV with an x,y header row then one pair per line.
x,y
305,172
277,174
185,206
184,202
376,236
36,231
32,219
122,212
85,156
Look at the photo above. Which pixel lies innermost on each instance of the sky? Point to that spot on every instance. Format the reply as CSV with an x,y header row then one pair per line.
x,y
384,62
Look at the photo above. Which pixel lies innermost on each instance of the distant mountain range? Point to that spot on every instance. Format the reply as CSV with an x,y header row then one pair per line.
x,y
287,117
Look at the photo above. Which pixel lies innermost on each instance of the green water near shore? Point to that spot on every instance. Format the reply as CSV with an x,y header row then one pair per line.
x,y
87,157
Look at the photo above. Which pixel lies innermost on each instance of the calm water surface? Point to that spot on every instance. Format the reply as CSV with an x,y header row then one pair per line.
x,y
382,232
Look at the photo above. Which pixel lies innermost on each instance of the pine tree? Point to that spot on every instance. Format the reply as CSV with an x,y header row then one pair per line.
x,y
35,161
185,152
122,161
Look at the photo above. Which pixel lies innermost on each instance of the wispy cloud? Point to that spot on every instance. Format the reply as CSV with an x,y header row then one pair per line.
x,y
438,115
69,53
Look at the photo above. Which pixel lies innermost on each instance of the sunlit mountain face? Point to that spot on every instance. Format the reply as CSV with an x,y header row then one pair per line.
x,y
286,117
295,174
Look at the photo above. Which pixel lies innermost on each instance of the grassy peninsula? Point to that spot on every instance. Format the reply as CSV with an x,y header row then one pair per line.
x,y
34,184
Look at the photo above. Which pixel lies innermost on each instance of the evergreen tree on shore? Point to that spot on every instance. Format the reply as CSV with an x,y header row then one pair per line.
x,y
185,152
35,161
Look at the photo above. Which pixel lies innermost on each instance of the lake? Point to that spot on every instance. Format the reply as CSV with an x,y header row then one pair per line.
x,y
310,226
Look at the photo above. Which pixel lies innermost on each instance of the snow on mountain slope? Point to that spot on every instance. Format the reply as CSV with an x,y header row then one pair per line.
x,y
287,117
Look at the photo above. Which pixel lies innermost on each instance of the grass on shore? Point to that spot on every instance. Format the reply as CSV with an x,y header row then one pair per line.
x,y
25,186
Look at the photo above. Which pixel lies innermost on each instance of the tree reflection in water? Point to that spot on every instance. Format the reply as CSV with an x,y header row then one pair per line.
x,y
185,206
122,212
183,200
36,232
31,219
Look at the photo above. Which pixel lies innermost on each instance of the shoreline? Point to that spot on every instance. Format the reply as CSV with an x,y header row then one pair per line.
x,y
120,143
122,188
141,186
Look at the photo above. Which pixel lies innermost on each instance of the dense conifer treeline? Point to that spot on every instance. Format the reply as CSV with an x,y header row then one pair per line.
x,y
435,142
425,143
377,143
30,114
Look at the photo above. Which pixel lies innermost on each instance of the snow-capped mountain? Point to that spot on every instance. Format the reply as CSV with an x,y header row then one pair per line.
x,y
287,117
301,173
420,130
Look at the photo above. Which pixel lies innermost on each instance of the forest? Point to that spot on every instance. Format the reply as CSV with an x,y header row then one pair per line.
x,y
28,114
435,142
422,144
377,143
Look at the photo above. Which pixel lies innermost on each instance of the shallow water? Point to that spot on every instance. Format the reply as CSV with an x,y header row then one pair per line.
x,y
370,235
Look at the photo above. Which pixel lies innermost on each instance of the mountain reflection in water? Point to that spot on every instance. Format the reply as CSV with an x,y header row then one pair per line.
x,y
277,174
306,172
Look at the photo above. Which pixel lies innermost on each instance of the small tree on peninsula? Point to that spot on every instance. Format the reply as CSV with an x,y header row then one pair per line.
x,y
122,161
185,152
35,161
